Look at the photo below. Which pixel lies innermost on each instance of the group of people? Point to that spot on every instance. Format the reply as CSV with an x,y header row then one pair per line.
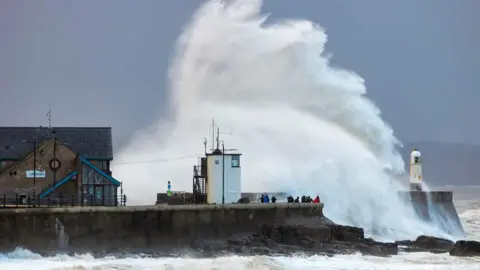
x,y
303,199
266,199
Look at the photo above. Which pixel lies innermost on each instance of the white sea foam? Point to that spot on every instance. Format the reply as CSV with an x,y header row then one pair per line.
x,y
24,259
471,223
303,126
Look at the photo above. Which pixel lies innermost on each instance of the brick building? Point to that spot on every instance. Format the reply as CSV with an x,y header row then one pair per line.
x,y
72,164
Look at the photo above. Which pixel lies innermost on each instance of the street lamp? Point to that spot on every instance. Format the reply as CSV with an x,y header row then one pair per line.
x,y
54,165
34,166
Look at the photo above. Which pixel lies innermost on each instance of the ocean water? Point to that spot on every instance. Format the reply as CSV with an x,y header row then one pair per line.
x,y
469,210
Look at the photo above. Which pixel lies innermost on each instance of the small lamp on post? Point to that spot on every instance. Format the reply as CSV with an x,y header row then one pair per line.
x,y
35,171
34,166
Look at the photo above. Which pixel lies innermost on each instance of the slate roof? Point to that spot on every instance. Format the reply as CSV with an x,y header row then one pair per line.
x,y
90,142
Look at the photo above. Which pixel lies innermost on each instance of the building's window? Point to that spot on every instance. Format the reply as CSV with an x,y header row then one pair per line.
x,y
417,160
236,161
101,164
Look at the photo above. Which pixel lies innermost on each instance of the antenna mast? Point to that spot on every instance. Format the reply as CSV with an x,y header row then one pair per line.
x,y
49,114
218,138
205,144
213,133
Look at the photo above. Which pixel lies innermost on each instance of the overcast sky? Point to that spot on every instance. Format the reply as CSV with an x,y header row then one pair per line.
x,y
104,63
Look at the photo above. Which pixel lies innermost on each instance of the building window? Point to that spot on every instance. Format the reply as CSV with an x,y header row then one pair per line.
x,y
236,161
417,160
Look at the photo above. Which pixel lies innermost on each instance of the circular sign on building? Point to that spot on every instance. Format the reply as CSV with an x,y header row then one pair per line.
x,y
54,164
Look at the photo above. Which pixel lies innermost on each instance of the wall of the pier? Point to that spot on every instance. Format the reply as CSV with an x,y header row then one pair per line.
x,y
437,208
420,196
136,228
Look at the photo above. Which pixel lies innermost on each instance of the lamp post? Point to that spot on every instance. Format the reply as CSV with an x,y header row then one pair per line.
x,y
54,158
34,165
35,170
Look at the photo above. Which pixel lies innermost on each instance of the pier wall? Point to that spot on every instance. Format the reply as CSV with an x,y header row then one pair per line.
x,y
437,208
85,229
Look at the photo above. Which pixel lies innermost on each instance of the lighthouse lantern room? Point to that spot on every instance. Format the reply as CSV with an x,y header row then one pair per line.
x,y
416,170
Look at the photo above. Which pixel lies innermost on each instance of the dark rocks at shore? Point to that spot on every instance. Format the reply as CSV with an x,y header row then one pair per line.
x,y
310,236
286,240
465,249
431,244
425,243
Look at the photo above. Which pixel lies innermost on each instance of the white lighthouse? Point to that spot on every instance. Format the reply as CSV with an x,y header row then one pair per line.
x,y
416,170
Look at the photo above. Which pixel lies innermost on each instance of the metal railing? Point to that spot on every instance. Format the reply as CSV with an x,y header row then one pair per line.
x,y
59,200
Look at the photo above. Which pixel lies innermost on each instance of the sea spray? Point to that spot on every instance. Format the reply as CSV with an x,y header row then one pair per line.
x,y
62,237
302,126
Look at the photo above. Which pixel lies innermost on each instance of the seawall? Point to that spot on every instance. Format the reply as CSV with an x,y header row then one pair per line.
x,y
130,228
437,208
188,198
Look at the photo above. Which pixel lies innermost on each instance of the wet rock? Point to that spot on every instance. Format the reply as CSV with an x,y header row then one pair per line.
x,y
433,243
317,236
347,233
375,248
465,249
425,243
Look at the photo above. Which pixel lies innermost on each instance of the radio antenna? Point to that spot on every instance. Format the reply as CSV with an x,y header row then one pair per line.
x,y
213,133
218,138
49,115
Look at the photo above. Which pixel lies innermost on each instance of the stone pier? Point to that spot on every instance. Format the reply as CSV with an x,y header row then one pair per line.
x,y
435,207
93,229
